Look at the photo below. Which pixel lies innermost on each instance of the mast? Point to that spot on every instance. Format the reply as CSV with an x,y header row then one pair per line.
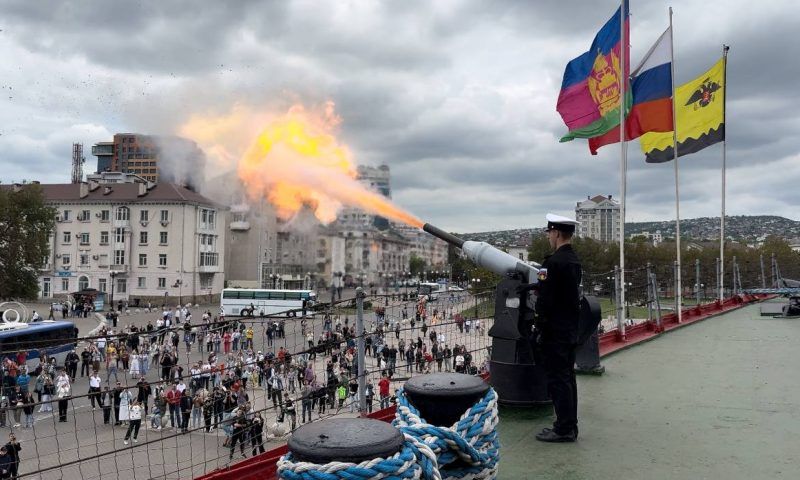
x,y
623,168
678,289
724,154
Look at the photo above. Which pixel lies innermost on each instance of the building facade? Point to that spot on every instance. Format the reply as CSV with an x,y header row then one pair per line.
x,y
154,158
599,217
134,240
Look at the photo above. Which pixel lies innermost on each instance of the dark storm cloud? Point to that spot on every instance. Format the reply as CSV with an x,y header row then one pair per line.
x,y
458,97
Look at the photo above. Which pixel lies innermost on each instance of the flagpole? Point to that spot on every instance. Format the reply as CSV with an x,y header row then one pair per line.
x,y
724,161
623,169
678,289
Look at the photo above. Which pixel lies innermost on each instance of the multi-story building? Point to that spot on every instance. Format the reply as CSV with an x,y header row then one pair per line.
x,y
154,158
424,245
135,240
373,256
377,179
599,217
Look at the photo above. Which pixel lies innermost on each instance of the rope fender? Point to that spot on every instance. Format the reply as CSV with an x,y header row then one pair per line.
x,y
415,460
472,439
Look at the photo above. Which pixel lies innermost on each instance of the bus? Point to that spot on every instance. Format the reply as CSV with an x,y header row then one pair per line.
x,y
56,338
431,290
253,302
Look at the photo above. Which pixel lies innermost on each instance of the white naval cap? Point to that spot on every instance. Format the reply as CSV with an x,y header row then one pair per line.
x,y
564,224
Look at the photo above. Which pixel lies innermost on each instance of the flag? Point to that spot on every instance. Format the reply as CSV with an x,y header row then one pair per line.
x,y
589,100
651,88
700,115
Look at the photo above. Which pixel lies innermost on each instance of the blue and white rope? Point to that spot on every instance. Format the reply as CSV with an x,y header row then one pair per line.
x,y
415,460
472,439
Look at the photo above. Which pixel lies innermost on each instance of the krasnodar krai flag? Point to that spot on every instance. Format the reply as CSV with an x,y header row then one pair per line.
x,y
590,95
651,86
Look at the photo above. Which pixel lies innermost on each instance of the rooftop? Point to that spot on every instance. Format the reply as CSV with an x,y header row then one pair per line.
x,y
716,399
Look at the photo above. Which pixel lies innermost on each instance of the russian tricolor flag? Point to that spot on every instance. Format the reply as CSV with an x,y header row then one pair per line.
x,y
651,88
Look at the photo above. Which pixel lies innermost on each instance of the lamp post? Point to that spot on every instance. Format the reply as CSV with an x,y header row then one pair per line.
x,y
179,286
475,284
113,274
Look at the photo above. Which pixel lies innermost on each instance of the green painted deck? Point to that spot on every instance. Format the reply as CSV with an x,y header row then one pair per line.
x,y
715,400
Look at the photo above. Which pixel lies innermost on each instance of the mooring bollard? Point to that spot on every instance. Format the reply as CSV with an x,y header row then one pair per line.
x,y
350,448
456,414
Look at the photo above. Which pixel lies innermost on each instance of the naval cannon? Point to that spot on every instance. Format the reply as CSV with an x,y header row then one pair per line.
x,y
515,362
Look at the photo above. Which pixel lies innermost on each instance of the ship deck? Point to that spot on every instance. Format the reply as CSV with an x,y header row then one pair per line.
x,y
716,399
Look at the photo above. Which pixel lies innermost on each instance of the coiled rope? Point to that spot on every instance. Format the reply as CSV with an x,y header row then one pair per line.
x,y
415,460
467,450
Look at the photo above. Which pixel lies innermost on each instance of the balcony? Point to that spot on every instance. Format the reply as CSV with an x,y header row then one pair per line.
x,y
119,268
208,269
241,225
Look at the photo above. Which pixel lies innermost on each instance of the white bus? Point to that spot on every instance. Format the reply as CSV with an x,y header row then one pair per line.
x,y
55,338
256,301
432,290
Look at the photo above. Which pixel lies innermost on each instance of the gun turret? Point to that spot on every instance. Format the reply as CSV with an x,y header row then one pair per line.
x,y
487,256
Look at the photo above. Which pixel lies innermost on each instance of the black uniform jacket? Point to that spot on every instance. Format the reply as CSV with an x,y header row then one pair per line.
x,y
558,301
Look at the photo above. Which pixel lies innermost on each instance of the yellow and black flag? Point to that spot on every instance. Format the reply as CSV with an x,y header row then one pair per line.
x,y
700,115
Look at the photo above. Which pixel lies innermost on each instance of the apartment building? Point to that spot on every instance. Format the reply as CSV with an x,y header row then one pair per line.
x,y
599,217
134,239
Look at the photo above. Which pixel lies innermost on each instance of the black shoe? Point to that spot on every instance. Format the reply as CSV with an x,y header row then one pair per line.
x,y
550,436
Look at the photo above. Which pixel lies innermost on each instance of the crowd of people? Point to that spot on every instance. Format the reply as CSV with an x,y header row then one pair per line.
x,y
219,390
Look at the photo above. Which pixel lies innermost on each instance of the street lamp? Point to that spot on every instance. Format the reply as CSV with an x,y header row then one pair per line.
x,y
113,274
179,286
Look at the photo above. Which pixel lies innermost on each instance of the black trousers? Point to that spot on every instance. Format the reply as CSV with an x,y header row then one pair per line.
x,y
63,404
94,396
106,414
185,420
257,441
559,364
238,436
85,366
133,426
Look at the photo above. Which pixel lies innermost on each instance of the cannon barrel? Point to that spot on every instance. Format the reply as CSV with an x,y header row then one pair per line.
x,y
485,255
447,237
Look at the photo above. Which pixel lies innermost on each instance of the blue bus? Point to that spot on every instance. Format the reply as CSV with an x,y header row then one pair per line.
x,y
55,338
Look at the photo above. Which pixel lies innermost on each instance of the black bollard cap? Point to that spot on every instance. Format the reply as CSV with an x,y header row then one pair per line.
x,y
442,398
345,440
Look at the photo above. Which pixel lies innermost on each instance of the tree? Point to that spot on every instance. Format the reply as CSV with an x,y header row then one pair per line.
x,y
416,265
26,222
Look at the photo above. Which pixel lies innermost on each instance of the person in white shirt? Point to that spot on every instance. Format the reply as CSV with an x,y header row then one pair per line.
x,y
94,390
180,386
135,417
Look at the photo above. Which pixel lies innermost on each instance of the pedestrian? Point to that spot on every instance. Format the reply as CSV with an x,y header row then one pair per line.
x,y
106,401
13,447
239,428
557,312
135,416
257,433
94,390
63,395
186,404
28,404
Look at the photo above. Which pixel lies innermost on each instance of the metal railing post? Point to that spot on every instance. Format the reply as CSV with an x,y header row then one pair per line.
x,y
697,280
650,294
360,351
620,307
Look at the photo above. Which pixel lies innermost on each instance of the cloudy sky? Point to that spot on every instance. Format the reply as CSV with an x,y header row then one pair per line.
x,y
458,97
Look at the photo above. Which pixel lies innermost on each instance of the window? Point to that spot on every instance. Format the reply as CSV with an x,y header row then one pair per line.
x,y
105,215
119,257
104,238
142,238
142,259
65,260
165,216
206,280
209,259
212,219
84,216
143,216
83,283
66,215
84,239
66,237
119,235
84,259
102,284
162,238
65,284
122,285
162,259
123,214
142,282
162,282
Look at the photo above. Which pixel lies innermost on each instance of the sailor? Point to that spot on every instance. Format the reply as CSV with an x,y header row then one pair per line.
x,y
557,313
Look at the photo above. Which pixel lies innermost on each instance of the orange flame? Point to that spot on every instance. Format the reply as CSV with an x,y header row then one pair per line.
x,y
294,161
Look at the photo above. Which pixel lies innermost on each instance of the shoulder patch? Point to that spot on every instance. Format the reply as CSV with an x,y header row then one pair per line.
x,y
542,274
